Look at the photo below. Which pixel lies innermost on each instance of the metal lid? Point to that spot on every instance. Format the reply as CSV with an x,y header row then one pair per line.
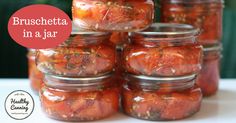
x,y
58,81
163,29
80,31
188,77
147,83
211,48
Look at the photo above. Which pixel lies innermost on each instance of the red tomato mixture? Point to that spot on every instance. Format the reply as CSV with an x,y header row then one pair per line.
x,y
163,60
160,104
113,15
80,104
35,76
206,15
79,56
208,79
119,38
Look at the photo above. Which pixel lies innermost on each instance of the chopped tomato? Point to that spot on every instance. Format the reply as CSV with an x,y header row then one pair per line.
x,y
206,16
163,61
208,79
158,105
109,15
83,105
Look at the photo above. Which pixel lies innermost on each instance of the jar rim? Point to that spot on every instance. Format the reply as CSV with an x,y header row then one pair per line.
x,y
187,77
211,48
78,83
158,83
80,78
176,29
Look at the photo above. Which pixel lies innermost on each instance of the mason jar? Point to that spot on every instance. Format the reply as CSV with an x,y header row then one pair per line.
x,y
113,15
84,54
163,50
79,99
204,14
35,76
209,77
157,99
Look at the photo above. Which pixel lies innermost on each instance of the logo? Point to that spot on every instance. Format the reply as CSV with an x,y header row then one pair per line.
x,y
19,105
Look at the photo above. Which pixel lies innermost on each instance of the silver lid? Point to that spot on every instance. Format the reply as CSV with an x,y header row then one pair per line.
x,y
58,81
210,48
188,77
169,29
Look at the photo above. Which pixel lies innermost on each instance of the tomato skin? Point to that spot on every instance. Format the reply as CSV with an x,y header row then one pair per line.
x,y
35,76
84,105
208,79
158,105
163,61
109,15
206,16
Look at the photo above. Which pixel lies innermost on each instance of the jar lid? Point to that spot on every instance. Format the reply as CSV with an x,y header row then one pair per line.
x,y
193,1
79,31
58,81
211,48
163,79
169,29
147,83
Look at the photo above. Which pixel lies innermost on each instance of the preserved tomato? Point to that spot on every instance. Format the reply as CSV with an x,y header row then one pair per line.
x,y
161,99
204,14
35,76
208,79
119,38
113,15
159,53
83,54
79,99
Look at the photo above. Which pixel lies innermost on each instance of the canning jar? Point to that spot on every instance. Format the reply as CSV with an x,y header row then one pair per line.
x,y
163,50
83,54
157,99
35,76
79,99
113,15
204,14
208,79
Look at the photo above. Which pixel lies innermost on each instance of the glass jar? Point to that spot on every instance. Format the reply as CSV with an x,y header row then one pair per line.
x,y
157,99
113,15
208,79
35,76
163,50
79,99
204,14
83,54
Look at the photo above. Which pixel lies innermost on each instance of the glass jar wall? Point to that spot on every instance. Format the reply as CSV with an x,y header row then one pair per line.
x,y
35,76
209,77
163,50
79,99
83,54
110,15
204,14
158,99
